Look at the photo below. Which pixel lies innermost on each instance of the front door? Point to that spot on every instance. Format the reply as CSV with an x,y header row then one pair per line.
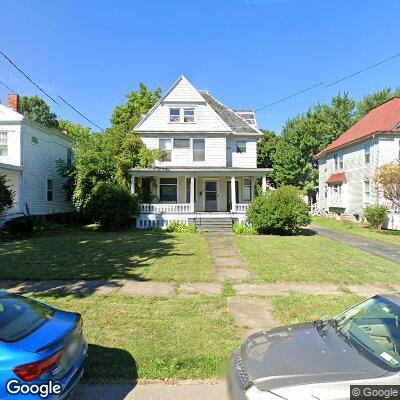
x,y
211,196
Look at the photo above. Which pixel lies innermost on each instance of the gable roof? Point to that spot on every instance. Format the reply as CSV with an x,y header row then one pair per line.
x,y
384,118
231,120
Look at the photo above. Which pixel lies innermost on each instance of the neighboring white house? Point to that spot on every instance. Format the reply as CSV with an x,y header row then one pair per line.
x,y
209,168
347,166
28,154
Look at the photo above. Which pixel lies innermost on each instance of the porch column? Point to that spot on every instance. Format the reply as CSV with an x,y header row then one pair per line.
x,y
233,194
132,184
192,194
264,184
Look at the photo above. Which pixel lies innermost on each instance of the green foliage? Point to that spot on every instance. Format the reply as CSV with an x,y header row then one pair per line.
x,y
139,102
76,131
280,211
266,149
179,227
6,195
67,171
37,110
240,229
376,215
19,226
306,135
374,100
110,205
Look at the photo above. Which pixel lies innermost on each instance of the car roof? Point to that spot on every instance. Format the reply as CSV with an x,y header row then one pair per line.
x,y
393,297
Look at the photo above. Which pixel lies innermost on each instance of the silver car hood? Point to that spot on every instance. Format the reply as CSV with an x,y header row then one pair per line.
x,y
299,354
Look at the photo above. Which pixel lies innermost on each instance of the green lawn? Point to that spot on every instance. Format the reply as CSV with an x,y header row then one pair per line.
x,y
176,338
387,236
313,258
81,253
296,308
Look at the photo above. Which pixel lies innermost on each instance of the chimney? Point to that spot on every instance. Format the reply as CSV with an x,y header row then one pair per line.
x,y
13,101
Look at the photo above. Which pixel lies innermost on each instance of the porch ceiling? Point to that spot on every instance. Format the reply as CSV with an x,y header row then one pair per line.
x,y
200,172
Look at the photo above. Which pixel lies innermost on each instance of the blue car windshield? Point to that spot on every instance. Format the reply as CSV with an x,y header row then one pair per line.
x,y
19,317
375,326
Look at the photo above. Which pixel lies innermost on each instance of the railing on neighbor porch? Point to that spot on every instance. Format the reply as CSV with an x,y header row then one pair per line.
x,y
314,209
242,208
165,208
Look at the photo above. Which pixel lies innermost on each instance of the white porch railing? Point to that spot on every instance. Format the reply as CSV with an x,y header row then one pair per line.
x,y
242,208
165,208
314,209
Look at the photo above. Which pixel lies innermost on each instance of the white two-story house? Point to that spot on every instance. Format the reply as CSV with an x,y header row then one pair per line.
x,y
209,167
347,166
28,154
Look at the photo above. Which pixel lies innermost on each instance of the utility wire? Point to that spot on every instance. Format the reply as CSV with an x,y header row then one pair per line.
x,y
27,77
364,69
83,116
290,96
7,87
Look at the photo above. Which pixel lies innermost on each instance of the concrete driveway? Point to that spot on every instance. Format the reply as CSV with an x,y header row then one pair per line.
x,y
185,390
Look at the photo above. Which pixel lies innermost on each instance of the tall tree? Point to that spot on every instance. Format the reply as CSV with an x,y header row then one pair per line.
x,y
266,148
37,110
374,100
138,103
76,131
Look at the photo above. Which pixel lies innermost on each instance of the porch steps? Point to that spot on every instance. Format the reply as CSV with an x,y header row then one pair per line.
x,y
214,224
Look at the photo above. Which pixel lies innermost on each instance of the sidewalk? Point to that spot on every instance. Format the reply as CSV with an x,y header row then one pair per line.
x,y
184,390
386,251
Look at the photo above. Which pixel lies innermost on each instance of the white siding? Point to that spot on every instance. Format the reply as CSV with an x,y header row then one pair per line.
x,y
242,160
39,164
14,148
183,92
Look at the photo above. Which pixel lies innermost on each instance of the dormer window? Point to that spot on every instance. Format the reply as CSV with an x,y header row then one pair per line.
x,y
174,115
188,115
3,144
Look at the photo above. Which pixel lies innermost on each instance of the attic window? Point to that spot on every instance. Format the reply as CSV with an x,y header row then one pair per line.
x,y
3,144
174,114
188,115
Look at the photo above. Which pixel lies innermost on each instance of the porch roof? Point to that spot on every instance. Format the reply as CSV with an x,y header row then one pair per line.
x,y
200,172
10,167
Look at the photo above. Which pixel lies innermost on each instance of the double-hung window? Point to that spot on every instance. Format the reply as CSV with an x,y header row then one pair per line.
x,y
165,146
188,115
367,153
240,146
181,143
174,115
49,190
199,150
3,144
338,158
247,189
367,192
168,190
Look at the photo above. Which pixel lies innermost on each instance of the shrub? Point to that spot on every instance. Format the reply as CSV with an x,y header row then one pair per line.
x,y
240,229
6,194
110,205
20,225
280,211
175,226
376,215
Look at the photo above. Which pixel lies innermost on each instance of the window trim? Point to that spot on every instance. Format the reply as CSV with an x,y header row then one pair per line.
x,y
172,116
49,199
338,161
365,200
238,151
367,146
193,149
183,148
168,184
250,192
166,151
5,143
191,116
339,197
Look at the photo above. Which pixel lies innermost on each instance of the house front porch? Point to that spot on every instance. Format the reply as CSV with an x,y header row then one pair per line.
x,y
188,195
13,176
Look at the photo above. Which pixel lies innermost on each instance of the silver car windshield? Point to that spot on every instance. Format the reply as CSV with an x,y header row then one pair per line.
x,y
374,325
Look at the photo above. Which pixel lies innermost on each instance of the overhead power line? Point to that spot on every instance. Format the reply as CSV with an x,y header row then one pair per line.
x,y
290,96
27,77
364,69
7,87
83,116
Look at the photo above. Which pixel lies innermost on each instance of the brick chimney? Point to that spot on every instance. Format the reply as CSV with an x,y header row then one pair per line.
x,y
13,102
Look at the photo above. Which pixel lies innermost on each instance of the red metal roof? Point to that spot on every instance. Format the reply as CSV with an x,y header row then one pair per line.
x,y
384,118
337,178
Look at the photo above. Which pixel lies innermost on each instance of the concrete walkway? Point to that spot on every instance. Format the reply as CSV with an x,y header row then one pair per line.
x,y
386,251
184,390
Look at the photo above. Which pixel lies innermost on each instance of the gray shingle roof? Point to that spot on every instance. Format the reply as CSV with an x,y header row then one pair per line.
x,y
234,121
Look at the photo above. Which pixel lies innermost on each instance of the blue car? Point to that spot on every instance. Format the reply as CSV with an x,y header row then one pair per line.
x,y
42,350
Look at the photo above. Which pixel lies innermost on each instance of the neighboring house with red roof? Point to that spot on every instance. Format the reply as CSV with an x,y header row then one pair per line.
x,y
347,165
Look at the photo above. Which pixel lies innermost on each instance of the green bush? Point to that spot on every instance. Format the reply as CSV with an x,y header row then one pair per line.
x,y
240,229
376,215
280,211
6,194
19,225
179,227
110,205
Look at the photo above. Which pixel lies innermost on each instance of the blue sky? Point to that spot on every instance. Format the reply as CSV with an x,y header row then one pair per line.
x,y
248,53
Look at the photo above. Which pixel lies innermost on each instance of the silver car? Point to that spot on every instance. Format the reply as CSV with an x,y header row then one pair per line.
x,y
321,359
